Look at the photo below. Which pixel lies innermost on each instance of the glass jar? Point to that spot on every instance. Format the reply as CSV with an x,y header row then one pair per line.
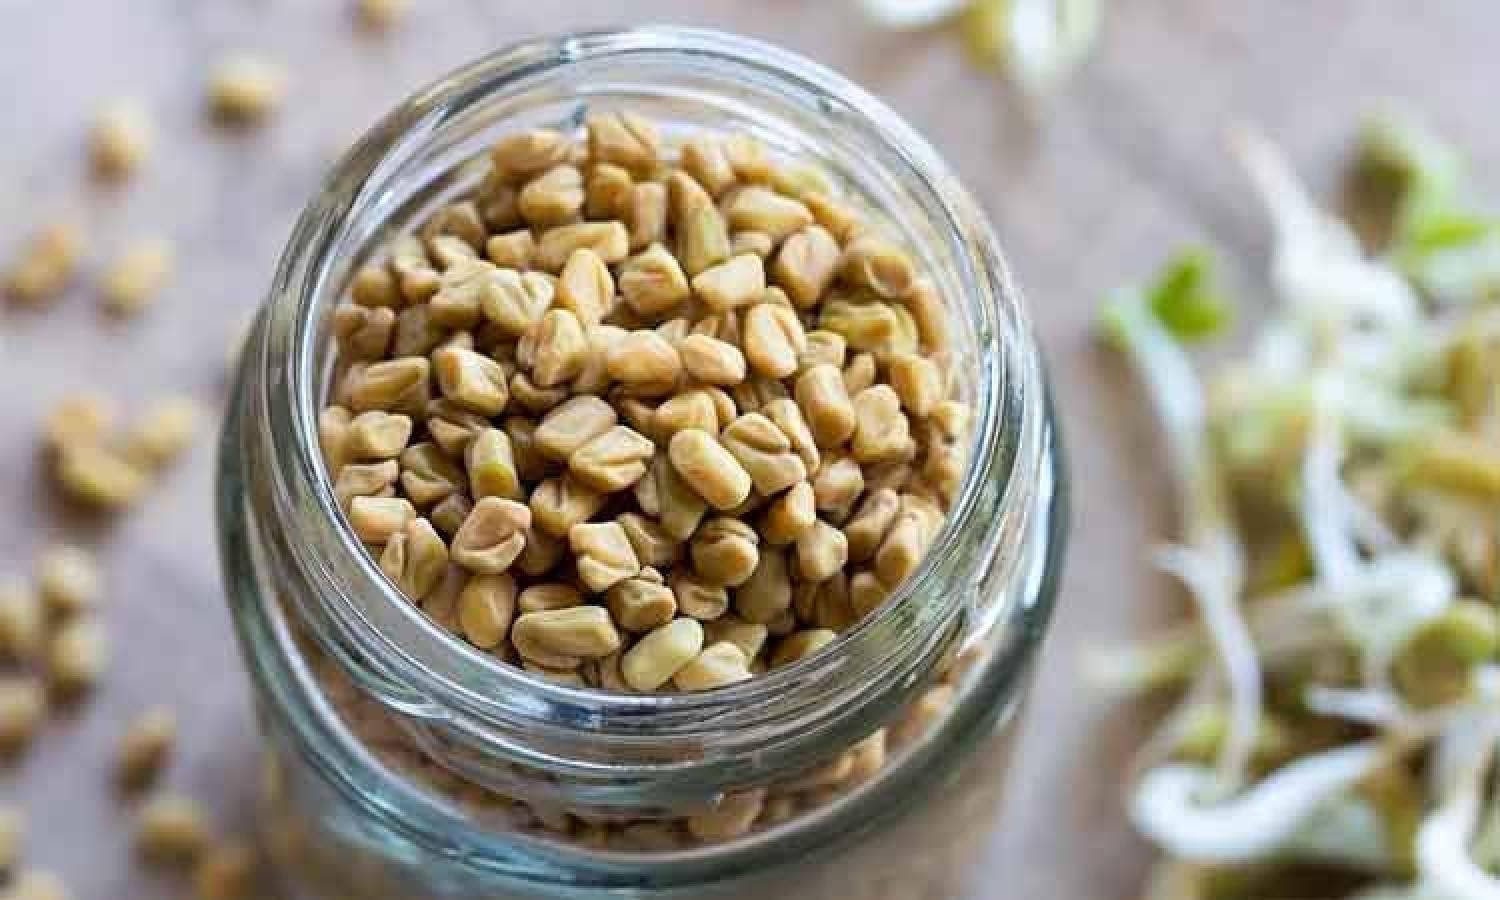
x,y
402,763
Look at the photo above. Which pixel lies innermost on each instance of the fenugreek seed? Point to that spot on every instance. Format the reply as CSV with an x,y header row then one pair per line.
x,y
755,208
715,666
377,435
764,452
416,332
376,519
23,703
653,546
659,655
549,595
441,606
767,594
943,470
826,405
703,158
646,214
643,358
787,416
872,261
471,380
374,286
702,234
881,432
561,348
448,514
560,503
145,747
564,430
952,418
608,239
710,469
541,553
133,280
461,289
613,461
38,884
734,816
731,284
578,632
837,486
639,413
46,264
380,15
806,265
641,604
533,399
492,536
491,462
748,157
416,559
602,554
822,551
608,192
458,220
21,620
77,656
712,361
594,378
868,528
227,871
749,637
652,281
171,830
68,579
516,302
519,156
929,314
99,476
789,515
394,385
121,138
83,418
750,395
363,332
530,464
369,480
585,286
486,606
774,340
514,250
12,829
917,381
691,409
553,198
696,597
245,89
725,552
902,550
801,644
624,139
757,242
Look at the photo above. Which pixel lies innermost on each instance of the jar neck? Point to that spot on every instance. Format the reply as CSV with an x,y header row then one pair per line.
x,y
487,719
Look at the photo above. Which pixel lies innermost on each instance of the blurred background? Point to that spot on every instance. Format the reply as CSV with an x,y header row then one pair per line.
x,y
1088,189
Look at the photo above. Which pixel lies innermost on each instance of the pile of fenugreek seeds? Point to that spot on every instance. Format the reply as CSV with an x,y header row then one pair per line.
x,y
644,418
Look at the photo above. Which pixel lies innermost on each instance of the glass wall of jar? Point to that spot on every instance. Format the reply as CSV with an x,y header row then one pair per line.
x,y
401,762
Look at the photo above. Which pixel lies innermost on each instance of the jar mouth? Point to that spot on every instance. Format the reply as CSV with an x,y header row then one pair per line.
x,y
434,676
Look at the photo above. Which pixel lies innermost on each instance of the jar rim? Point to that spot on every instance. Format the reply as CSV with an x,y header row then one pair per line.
x,y
448,682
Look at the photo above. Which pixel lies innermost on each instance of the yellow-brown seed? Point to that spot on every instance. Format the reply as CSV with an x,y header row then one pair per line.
x,y
492,536
748,157
565,635
725,551
655,658
646,214
879,327
837,486
874,262
448,515
99,476
917,380
702,234
735,815
789,515
514,250
553,198
717,665
21,620
641,604
171,830
486,606
136,277
560,503
881,432
703,158
68,579
145,747
608,192
764,452
608,239
526,153
471,380
822,551
806,265
613,461
643,358
690,409
23,704
767,594
121,138
400,384
825,404
377,435
712,361
624,139
83,418
755,208
731,284
585,287
456,220
77,655
542,552
549,595
773,339
756,242
244,89
228,871
368,480
561,348
697,598
491,462
653,546
801,644
868,528
652,281
376,519
416,559
363,332
46,264
573,424
709,469
428,476
515,301
602,555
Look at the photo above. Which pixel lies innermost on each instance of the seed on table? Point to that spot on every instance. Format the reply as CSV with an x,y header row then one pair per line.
x,y
767,594
756,208
492,536
38,884
725,551
23,703
806,265
486,606
99,477
774,340
415,558
68,579
659,655
646,214
822,552
244,88
375,519
554,197
227,871
643,357
77,656
133,280
549,595
613,461
381,15
491,462
80,418
736,282
881,432
46,264
642,603
518,156
608,239
120,139
715,666
21,620
171,830
917,380
624,139
712,361
578,632
765,452
801,644
711,471
826,405
735,815
602,554
12,828
145,747
559,503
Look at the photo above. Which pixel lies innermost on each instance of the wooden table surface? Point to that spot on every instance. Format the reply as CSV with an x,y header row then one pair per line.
x,y
1127,163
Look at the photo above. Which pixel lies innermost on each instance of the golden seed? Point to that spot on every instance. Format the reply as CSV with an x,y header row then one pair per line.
x,y
381,15
652,282
516,301
822,551
171,830
709,468
735,815
755,208
764,452
486,606
244,88
806,265
46,264
641,604
825,404
23,704
68,579
789,515
21,620
657,656
553,198
416,559
376,519
624,139
643,358
514,250
99,477
77,655
573,424
524,154
134,279
121,138
874,262
79,418
774,340
801,644
228,871
492,536
917,380
712,361
715,666
602,554
560,503
377,435
561,348
646,214
585,286
756,242
608,239
881,433
767,594
730,284
145,747
369,480
613,461
725,551
578,632
703,158
491,462
697,598
868,528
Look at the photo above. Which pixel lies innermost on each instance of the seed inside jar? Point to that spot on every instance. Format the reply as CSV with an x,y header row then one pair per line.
x,y
644,416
